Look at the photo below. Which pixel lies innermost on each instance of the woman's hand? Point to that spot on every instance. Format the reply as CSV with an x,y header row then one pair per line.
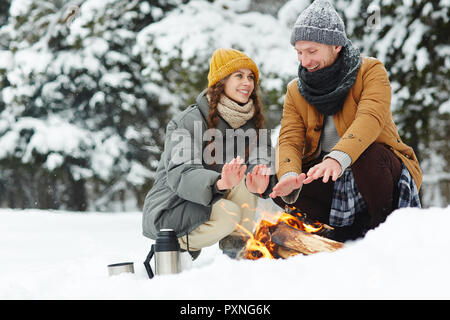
x,y
232,174
258,180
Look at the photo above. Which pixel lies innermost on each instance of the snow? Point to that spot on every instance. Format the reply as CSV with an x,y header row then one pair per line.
x,y
216,27
288,13
19,7
51,135
6,58
411,44
64,255
445,107
115,79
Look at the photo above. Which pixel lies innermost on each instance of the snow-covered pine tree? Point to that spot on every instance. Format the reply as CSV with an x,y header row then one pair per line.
x,y
80,125
411,39
177,49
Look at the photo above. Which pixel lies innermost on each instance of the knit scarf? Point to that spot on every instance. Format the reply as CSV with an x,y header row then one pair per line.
x,y
327,88
233,113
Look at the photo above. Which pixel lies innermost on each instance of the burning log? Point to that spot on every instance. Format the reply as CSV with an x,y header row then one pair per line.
x,y
291,234
285,253
301,241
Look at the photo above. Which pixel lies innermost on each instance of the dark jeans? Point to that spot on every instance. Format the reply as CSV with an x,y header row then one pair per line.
x,y
376,174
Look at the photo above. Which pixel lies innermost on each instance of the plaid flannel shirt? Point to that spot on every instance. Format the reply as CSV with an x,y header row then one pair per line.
x,y
347,201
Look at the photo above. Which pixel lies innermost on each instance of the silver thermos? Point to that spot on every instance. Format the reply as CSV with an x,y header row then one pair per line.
x,y
167,254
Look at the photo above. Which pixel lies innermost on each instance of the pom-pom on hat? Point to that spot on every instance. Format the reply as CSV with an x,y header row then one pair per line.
x,y
319,23
227,61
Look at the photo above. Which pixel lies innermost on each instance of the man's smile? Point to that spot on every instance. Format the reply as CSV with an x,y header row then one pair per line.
x,y
313,68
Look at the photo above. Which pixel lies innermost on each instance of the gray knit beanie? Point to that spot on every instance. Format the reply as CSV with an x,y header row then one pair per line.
x,y
319,23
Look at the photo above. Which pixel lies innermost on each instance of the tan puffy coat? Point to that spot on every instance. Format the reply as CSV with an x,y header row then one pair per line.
x,y
365,118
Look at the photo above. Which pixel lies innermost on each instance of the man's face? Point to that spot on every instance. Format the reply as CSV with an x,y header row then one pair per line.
x,y
315,56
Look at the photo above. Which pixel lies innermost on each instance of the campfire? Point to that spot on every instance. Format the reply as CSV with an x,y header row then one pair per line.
x,y
287,234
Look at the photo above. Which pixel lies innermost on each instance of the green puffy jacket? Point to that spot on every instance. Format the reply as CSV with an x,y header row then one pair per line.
x,y
185,181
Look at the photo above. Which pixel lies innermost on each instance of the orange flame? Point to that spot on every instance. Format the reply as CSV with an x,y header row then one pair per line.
x,y
259,245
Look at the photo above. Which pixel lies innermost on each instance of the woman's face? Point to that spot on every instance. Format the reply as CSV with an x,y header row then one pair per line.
x,y
239,85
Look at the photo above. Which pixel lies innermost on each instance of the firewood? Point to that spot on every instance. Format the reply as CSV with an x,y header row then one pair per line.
x,y
285,253
302,241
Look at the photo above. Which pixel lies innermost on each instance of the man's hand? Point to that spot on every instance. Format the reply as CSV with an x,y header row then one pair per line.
x,y
258,180
326,169
289,184
232,174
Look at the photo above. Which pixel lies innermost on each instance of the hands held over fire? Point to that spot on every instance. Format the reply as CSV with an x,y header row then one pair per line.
x,y
287,185
232,174
326,169
258,180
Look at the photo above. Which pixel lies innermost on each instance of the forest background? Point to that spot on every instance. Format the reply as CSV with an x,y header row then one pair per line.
x,y
87,87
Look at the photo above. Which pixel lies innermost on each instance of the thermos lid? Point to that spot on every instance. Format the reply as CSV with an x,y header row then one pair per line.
x,y
167,241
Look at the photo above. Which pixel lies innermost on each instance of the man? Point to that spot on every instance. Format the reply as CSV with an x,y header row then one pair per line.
x,y
341,159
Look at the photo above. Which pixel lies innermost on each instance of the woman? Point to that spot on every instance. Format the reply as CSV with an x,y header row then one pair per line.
x,y
199,188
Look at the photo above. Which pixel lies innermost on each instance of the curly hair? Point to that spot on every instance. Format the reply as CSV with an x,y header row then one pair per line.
x,y
214,94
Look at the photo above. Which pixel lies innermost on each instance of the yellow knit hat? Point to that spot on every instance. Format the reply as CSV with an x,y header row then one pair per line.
x,y
227,61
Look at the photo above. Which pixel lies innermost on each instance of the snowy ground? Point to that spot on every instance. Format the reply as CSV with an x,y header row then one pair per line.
x,y
64,255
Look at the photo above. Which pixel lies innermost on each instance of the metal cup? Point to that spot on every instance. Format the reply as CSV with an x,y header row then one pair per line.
x,y
118,268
